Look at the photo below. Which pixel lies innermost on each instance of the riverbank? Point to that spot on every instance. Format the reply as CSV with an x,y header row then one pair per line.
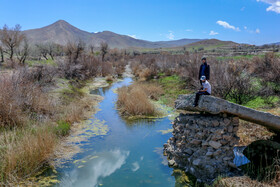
x,y
43,141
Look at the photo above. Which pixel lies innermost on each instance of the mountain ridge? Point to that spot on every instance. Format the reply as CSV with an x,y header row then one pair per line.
x,y
61,32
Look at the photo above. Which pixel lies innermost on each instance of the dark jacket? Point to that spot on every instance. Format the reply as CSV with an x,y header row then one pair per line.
x,y
207,71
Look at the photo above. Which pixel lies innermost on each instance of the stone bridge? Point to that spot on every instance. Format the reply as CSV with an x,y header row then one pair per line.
x,y
203,143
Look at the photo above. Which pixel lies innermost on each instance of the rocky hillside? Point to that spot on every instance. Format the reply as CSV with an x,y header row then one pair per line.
x,y
61,32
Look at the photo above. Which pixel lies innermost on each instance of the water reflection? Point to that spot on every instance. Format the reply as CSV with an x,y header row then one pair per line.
x,y
239,158
103,165
139,165
100,91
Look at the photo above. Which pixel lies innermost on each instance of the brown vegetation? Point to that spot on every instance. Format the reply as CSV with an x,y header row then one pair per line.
x,y
25,152
134,100
22,99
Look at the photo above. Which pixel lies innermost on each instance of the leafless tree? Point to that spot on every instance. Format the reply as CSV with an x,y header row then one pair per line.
x,y
11,39
104,49
2,54
91,48
74,51
23,52
43,50
49,49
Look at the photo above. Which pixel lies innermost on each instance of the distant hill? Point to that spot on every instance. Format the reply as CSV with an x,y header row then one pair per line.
x,y
62,32
210,44
277,43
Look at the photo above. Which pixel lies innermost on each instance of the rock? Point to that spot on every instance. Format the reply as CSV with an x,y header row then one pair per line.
x,y
230,129
226,158
171,162
188,151
216,137
215,144
226,121
215,105
218,152
227,137
223,142
235,129
209,153
200,147
231,164
215,123
196,142
197,162
205,143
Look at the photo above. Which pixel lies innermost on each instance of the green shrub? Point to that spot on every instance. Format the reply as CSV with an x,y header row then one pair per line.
x,y
62,128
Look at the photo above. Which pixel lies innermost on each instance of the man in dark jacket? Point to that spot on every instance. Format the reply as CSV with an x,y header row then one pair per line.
x,y
204,70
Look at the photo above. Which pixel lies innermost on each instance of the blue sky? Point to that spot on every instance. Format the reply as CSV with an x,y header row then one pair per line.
x,y
246,21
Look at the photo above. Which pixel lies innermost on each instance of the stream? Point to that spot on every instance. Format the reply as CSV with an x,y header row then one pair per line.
x,y
130,154
116,152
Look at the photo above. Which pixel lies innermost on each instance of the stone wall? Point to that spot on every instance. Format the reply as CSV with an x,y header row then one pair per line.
x,y
203,145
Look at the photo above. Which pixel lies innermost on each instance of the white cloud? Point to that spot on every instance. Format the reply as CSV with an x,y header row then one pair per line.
x,y
170,36
132,36
243,8
274,5
189,30
227,25
135,166
257,31
213,33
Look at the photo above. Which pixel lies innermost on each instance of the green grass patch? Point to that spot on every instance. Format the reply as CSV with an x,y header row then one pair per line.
x,y
261,102
40,62
239,57
71,93
172,86
62,128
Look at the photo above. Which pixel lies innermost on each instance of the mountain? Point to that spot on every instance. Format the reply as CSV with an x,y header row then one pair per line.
x,y
277,43
61,32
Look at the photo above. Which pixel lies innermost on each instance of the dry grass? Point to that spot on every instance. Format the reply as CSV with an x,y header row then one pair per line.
x,y
24,151
250,132
134,100
242,181
21,100
145,74
109,79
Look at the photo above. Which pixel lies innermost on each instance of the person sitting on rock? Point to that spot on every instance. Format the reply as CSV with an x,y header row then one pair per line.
x,y
206,90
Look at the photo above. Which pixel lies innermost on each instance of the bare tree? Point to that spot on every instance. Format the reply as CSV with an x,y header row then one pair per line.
x,y
74,51
104,49
11,39
23,52
49,49
2,54
43,50
91,48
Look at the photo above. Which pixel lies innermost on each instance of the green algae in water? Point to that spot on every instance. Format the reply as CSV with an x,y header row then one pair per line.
x,y
166,131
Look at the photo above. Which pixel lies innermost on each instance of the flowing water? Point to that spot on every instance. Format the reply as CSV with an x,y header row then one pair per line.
x,y
130,154
121,153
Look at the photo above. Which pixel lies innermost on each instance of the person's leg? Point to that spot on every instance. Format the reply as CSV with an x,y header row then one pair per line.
x,y
197,95
206,93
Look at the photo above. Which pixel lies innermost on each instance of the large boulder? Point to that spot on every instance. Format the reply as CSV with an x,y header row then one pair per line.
x,y
215,105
